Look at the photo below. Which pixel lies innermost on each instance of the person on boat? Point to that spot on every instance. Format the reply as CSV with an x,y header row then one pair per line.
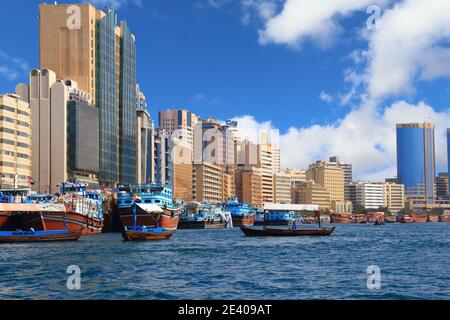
x,y
294,226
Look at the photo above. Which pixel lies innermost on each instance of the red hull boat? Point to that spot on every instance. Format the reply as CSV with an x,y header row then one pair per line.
x,y
9,221
341,218
243,221
168,219
51,221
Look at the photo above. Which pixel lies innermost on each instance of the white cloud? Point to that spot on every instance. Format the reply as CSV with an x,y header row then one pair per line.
x,y
411,44
12,68
300,20
326,97
203,100
365,137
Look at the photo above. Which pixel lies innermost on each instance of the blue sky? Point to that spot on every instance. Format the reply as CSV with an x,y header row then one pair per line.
x,y
277,63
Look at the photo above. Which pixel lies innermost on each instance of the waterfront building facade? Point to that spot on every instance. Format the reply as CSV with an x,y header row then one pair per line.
x,y
159,164
249,186
48,100
394,197
442,185
310,192
143,145
207,183
283,187
180,125
101,57
346,167
64,127
367,194
82,136
267,172
329,176
416,161
15,142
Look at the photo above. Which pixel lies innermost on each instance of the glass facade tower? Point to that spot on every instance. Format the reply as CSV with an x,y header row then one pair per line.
x,y
106,91
127,107
416,160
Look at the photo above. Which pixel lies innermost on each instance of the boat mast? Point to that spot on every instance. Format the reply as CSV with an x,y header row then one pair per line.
x,y
318,217
134,215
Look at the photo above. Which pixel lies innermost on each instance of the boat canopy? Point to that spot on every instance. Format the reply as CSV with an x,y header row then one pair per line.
x,y
150,208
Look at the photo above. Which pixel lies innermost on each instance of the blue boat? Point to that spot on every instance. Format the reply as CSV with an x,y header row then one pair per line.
x,y
277,218
204,216
154,206
38,236
241,213
144,233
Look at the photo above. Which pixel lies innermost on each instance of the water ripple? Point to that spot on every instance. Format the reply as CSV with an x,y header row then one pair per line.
x,y
222,264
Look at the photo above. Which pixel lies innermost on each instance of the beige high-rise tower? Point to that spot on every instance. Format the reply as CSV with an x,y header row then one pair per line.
x,y
67,42
48,103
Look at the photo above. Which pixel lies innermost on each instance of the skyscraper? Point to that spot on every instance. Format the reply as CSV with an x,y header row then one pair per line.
x,y
64,131
81,43
180,125
416,160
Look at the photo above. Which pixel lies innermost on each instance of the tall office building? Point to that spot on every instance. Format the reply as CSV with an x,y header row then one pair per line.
x,y
67,43
180,126
347,167
144,139
267,172
100,56
276,159
394,197
328,176
249,186
48,103
64,131
82,137
416,160
283,185
182,121
15,142
442,185
160,165
248,175
369,195
207,183
143,148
